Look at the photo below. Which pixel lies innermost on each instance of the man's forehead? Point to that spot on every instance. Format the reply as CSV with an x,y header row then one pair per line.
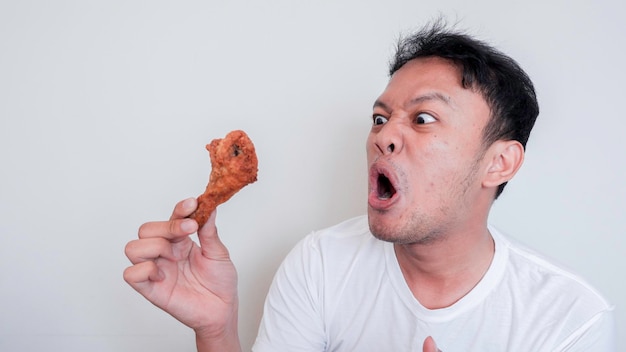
x,y
427,79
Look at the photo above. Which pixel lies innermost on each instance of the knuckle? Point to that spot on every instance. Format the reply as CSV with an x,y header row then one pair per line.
x,y
173,227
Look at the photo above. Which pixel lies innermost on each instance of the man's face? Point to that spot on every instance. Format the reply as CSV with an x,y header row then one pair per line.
x,y
424,153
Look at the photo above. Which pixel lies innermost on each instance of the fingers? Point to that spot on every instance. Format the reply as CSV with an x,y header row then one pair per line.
x,y
430,345
177,228
184,208
157,240
140,274
172,230
144,255
142,250
212,246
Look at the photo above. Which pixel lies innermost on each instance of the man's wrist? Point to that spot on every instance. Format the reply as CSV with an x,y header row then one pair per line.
x,y
226,341
223,339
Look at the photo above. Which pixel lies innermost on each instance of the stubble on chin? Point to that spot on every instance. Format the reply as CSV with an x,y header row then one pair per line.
x,y
414,231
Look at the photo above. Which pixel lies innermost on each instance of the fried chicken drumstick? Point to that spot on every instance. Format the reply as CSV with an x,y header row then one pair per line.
x,y
234,165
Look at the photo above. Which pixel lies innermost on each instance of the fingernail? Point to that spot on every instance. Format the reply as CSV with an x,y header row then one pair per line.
x,y
189,203
188,225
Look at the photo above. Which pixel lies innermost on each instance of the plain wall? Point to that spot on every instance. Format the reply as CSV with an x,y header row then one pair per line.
x,y
105,108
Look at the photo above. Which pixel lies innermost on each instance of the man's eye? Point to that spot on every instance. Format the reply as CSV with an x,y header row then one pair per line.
x,y
424,118
379,120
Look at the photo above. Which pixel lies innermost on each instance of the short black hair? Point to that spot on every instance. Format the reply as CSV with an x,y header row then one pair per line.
x,y
505,86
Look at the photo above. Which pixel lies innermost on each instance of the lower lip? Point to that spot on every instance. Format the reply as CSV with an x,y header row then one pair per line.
x,y
380,204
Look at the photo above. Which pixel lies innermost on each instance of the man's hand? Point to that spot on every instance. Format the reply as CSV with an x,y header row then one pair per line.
x,y
195,284
430,345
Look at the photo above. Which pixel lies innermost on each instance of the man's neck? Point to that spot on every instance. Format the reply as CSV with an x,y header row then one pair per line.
x,y
442,272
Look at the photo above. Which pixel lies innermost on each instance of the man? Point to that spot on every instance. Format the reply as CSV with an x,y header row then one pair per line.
x,y
423,266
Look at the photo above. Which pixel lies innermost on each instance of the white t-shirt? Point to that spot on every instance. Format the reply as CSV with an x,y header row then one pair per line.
x,y
341,289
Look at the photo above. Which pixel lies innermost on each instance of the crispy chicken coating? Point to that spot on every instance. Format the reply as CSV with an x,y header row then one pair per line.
x,y
234,165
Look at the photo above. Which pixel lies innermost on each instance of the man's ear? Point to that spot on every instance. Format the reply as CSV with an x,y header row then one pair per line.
x,y
506,157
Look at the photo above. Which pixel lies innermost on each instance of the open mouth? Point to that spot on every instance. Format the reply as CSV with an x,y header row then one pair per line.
x,y
384,188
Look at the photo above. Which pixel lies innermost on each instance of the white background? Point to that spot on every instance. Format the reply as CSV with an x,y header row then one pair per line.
x,y
106,106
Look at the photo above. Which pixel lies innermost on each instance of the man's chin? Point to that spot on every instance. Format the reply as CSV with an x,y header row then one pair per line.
x,y
380,230
391,230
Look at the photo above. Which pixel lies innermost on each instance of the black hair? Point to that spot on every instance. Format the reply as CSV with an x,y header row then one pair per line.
x,y
505,86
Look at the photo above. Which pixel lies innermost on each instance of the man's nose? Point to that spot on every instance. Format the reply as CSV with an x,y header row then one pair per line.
x,y
390,138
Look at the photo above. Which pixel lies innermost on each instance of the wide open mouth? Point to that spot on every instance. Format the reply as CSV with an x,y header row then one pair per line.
x,y
384,188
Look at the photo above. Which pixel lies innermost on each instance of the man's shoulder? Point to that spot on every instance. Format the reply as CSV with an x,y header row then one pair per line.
x,y
539,275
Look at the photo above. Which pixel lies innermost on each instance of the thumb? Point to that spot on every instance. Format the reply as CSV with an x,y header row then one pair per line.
x,y
210,243
430,345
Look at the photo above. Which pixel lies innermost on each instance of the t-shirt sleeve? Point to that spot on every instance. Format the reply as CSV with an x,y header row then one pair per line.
x,y
597,334
293,318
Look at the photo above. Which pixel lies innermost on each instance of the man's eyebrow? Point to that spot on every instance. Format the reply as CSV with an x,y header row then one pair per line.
x,y
432,96
380,104
420,99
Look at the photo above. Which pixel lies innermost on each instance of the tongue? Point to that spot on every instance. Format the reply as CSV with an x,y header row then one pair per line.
x,y
385,188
